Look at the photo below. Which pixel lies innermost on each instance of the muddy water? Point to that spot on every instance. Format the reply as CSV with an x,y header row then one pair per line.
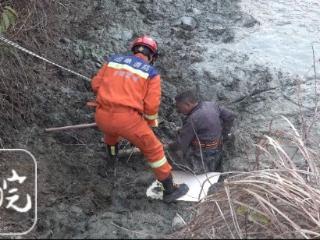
x,y
255,73
287,30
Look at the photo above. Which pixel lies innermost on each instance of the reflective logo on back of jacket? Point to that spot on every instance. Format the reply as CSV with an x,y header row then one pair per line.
x,y
134,65
125,82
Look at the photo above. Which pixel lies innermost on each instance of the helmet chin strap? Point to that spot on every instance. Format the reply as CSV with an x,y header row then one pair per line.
x,y
153,58
152,61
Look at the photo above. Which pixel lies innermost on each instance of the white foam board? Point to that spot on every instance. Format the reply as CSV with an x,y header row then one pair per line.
x,y
198,185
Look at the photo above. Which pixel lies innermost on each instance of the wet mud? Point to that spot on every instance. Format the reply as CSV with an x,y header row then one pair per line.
x,y
78,196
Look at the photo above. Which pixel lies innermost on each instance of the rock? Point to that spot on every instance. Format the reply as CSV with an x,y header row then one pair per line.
x,y
79,52
217,29
178,222
76,210
228,36
123,35
127,35
249,24
65,40
142,9
188,23
249,21
196,11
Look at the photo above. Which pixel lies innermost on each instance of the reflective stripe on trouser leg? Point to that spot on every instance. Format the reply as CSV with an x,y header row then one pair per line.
x,y
113,150
161,168
112,144
158,163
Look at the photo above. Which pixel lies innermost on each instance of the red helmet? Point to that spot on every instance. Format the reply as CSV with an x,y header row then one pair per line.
x,y
147,42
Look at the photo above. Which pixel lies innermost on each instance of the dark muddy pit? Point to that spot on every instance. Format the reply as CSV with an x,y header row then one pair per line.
x,y
86,204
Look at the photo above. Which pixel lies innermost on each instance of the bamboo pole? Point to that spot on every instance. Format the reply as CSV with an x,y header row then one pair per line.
x,y
122,153
85,125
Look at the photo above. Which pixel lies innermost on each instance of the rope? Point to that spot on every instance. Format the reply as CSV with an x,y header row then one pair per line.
x,y
15,45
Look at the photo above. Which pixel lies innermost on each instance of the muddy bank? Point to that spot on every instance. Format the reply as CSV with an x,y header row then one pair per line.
x,y
76,199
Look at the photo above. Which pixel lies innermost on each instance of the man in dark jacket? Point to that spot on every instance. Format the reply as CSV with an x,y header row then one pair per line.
x,y
204,129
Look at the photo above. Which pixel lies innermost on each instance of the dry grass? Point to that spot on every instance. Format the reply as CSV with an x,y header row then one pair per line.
x,y
20,73
15,72
283,202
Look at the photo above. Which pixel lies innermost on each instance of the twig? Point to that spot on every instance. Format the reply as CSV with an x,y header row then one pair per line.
x,y
85,125
131,231
200,150
315,118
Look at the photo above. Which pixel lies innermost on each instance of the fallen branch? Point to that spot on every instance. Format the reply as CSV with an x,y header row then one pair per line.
x,y
136,232
85,125
122,153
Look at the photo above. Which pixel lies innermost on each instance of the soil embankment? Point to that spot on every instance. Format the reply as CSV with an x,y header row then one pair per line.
x,y
75,201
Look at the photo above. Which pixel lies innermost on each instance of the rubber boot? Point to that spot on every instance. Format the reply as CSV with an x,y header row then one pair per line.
x,y
112,161
173,191
112,151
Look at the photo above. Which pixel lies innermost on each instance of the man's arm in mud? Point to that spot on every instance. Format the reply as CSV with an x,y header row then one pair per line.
x,y
227,118
185,137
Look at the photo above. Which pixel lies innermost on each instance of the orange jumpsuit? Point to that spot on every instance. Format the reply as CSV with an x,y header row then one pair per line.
x,y
128,96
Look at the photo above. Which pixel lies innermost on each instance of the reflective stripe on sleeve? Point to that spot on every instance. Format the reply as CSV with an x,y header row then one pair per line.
x,y
151,117
158,163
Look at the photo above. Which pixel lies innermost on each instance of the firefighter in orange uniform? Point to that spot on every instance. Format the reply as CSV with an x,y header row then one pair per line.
x,y
128,90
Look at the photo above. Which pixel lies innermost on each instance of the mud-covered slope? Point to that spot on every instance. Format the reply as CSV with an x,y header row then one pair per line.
x,y
75,201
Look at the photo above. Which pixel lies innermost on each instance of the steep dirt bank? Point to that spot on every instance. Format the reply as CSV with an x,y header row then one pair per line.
x,y
74,200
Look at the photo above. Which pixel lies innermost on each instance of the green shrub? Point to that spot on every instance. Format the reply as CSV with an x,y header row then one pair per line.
x,y
8,19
